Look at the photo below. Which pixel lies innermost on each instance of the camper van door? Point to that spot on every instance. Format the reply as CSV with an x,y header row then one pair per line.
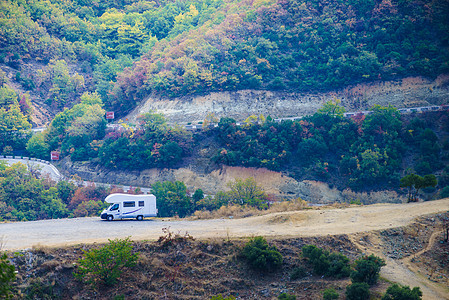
x,y
115,210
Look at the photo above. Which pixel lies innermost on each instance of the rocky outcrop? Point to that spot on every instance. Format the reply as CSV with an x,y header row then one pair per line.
x,y
274,183
408,92
277,184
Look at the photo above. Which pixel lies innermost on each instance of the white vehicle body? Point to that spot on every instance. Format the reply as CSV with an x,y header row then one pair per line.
x,y
124,206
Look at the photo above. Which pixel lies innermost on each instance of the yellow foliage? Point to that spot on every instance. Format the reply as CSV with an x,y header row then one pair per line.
x,y
258,3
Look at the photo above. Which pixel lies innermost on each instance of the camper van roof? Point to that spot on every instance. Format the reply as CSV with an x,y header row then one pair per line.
x,y
113,198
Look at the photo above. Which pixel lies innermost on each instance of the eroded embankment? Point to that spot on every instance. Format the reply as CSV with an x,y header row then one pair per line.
x,y
185,268
407,92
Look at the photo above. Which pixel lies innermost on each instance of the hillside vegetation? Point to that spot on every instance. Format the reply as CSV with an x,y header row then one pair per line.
x,y
82,58
185,47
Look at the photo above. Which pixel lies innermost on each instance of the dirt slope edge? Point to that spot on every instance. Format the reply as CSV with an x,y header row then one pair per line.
x,y
369,220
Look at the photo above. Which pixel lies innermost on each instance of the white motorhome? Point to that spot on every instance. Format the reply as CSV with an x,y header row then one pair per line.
x,y
125,206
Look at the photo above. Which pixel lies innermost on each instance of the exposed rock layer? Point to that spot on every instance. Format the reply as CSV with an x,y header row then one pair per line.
x,y
276,184
408,92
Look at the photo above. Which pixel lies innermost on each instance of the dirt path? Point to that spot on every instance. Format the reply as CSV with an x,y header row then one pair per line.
x,y
439,291
404,271
306,223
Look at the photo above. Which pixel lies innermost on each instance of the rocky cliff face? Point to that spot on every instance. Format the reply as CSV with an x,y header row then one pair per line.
x,y
408,92
276,184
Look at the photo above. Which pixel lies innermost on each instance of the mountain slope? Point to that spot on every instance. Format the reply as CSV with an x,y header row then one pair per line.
x,y
295,46
194,47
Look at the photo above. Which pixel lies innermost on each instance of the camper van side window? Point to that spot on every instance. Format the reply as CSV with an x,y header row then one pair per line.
x,y
114,207
129,204
141,203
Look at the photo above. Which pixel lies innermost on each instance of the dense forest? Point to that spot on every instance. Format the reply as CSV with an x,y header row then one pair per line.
x,y
363,152
127,49
81,58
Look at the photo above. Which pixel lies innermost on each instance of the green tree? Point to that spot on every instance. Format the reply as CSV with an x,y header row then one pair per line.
x,y
37,147
170,154
398,292
74,130
220,297
29,197
325,263
367,269
260,256
106,264
357,291
247,192
7,96
7,276
444,193
330,294
66,190
285,296
382,120
198,195
332,108
415,182
14,127
172,198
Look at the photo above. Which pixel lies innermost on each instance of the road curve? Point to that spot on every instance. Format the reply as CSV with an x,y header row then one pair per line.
x,y
48,169
43,167
318,222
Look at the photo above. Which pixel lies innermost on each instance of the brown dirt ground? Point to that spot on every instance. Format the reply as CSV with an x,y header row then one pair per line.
x,y
408,236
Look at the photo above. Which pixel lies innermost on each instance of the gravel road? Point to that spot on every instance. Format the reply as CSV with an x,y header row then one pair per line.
x,y
316,222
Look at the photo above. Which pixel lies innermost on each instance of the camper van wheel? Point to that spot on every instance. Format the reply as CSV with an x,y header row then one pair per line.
x,y
110,217
139,218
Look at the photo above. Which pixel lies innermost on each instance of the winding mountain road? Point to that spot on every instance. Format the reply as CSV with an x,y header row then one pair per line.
x,y
47,169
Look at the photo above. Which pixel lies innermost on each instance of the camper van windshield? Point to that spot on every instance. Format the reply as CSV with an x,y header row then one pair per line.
x,y
114,207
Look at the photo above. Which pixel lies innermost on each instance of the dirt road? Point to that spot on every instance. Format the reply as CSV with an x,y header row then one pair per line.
x,y
287,224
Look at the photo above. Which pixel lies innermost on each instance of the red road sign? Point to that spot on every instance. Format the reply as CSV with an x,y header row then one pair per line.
x,y
54,155
109,115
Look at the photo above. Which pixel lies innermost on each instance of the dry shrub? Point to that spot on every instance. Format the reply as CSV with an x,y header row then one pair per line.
x,y
238,211
339,205
296,204
386,197
374,197
144,262
171,238
229,211
41,249
50,264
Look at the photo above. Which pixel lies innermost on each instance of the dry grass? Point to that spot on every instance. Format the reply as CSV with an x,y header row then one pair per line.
x,y
238,211
373,197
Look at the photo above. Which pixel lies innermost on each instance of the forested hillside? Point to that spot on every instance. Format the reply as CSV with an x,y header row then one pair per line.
x,y
59,49
81,58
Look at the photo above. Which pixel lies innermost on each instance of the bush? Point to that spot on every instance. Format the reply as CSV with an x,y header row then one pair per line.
x,y
7,276
330,294
444,193
338,266
317,257
357,291
260,256
298,273
323,263
397,292
285,296
106,264
220,297
367,269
